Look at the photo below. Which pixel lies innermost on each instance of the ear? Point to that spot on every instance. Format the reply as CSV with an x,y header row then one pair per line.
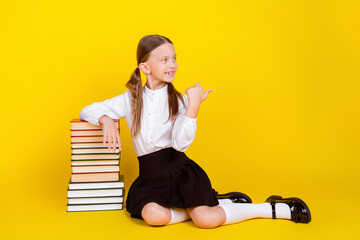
x,y
144,67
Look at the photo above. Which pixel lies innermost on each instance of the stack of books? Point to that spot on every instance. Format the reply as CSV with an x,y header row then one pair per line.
x,y
96,183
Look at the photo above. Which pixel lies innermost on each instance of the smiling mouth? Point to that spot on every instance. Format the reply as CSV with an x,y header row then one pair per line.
x,y
172,73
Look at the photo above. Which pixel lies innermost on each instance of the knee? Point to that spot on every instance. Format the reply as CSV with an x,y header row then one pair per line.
x,y
155,214
205,218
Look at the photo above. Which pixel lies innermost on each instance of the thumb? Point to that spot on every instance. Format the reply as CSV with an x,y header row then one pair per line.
x,y
206,93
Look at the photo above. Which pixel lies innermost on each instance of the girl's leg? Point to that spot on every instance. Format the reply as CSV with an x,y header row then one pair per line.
x,y
211,217
157,215
207,217
238,212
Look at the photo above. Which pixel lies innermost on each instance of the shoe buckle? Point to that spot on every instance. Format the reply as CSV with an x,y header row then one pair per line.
x,y
273,209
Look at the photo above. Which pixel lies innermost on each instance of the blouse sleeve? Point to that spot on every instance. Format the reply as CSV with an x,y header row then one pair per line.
x,y
115,108
183,132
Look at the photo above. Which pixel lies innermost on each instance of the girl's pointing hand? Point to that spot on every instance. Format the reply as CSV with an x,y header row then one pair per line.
x,y
196,95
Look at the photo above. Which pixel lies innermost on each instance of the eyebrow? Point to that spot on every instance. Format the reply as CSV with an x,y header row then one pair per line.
x,y
168,56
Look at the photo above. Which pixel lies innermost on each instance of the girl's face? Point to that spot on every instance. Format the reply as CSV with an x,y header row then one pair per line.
x,y
162,65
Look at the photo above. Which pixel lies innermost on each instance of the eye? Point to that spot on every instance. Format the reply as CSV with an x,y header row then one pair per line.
x,y
164,59
174,58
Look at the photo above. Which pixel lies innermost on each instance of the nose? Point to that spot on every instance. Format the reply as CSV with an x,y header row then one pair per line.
x,y
173,64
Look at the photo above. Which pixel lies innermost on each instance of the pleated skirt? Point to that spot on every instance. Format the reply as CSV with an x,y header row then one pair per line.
x,y
169,178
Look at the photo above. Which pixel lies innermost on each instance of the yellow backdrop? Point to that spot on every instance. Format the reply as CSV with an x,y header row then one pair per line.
x,y
283,116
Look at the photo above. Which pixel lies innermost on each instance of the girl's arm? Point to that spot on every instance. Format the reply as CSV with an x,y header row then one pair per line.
x,y
184,129
115,108
183,132
103,113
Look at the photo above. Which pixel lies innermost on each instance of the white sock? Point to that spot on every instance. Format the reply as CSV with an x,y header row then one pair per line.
x,y
224,201
238,212
178,215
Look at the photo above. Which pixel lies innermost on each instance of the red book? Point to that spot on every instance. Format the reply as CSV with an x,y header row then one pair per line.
x,y
79,124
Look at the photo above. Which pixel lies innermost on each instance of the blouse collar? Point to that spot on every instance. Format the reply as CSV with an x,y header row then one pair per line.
x,y
162,90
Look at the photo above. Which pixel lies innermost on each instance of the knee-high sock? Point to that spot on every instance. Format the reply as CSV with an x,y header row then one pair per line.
x,y
178,215
238,212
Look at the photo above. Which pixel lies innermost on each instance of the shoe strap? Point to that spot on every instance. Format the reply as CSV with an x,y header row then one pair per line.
x,y
273,209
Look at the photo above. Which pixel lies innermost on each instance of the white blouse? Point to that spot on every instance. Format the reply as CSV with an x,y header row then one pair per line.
x,y
154,134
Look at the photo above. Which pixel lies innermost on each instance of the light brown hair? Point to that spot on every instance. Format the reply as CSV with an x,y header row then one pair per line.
x,y
146,45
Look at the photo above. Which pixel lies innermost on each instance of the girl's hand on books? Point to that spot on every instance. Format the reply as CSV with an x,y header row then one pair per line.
x,y
111,133
196,95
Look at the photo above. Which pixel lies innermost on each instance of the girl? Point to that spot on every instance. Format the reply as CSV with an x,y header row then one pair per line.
x,y
172,188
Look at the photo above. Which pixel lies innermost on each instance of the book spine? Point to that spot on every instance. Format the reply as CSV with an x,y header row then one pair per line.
x,y
94,177
95,169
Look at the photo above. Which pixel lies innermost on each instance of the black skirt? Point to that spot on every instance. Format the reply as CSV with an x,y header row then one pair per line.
x,y
169,178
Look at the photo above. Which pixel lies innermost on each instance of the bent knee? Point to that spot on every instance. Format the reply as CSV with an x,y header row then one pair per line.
x,y
203,222
155,214
205,218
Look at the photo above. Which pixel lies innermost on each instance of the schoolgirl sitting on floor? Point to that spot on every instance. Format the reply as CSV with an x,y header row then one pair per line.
x,y
172,188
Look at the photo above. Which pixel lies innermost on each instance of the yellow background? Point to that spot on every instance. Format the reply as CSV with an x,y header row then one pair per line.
x,y
283,117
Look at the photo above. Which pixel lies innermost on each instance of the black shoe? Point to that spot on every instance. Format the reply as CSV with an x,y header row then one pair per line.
x,y
235,197
300,212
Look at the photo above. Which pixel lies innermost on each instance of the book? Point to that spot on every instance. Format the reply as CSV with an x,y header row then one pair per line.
x,y
79,124
94,177
93,151
94,207
97,185
95,169
108,156
94,162
89,145
114,192
83,132
87,139
95,200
